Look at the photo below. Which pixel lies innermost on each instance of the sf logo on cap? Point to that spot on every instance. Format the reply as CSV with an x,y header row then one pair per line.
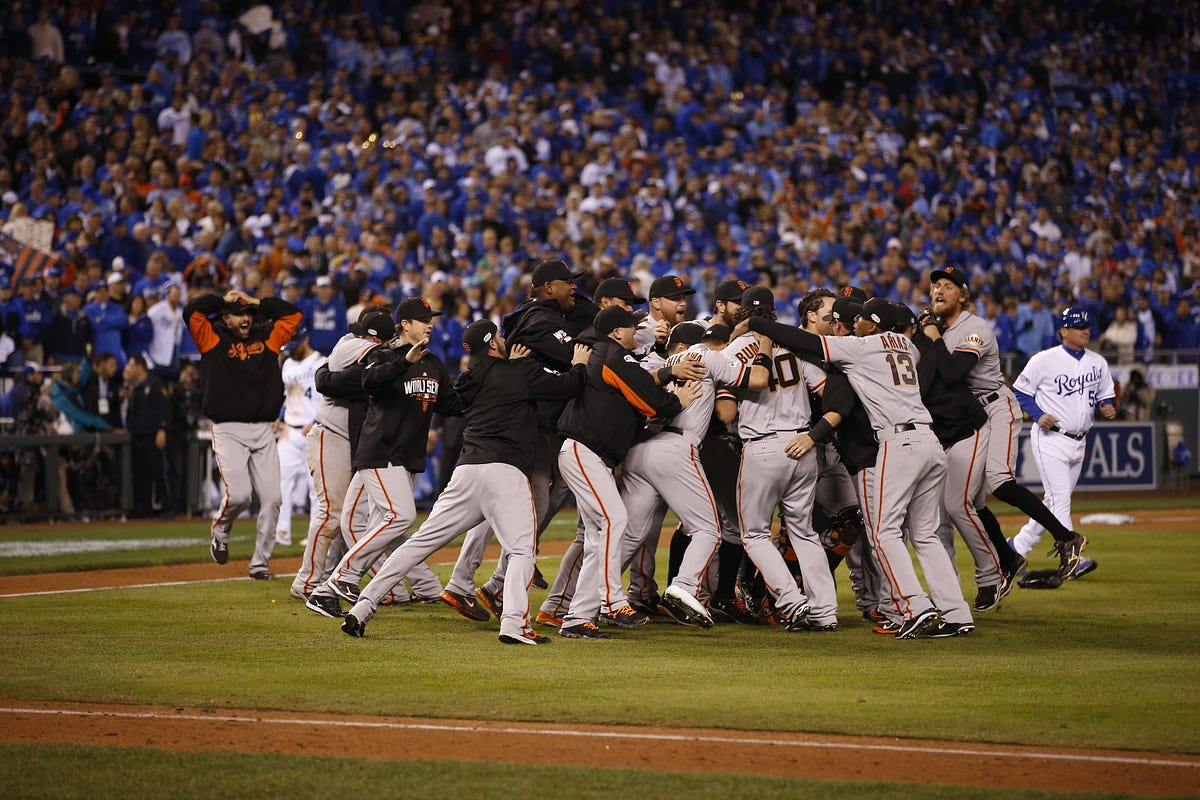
x,y
678,283
425,303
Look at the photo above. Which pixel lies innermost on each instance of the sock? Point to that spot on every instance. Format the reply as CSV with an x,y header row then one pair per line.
x,y
679,543
1017,495
1008,557
729,561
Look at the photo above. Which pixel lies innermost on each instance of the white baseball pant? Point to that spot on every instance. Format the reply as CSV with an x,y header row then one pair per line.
x,y
296,481
328,456
1059,460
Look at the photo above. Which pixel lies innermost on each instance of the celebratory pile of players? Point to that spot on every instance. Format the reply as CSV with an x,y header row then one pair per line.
x,y
868,429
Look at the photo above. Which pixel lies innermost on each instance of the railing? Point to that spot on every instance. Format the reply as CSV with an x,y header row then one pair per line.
x,y
50,446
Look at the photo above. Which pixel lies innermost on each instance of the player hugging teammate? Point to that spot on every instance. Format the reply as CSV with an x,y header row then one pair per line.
x,y
868,430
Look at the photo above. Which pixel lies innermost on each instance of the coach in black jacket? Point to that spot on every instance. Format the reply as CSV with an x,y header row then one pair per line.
x,y
598,428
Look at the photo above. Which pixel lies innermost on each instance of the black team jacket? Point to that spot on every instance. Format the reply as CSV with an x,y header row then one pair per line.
x,y
241,377
499,397
616,401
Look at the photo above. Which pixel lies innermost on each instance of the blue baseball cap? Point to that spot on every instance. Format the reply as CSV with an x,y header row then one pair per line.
x,y
1074,317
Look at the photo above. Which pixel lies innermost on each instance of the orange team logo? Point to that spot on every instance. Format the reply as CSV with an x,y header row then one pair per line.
x,y
243,351
678,283
846,292
630,285
742,285
425,303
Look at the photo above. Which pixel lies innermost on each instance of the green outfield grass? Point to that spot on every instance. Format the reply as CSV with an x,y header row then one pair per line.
x,y
1106,661
102,772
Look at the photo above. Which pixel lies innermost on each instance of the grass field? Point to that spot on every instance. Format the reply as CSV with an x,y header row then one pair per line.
x,y
1108,661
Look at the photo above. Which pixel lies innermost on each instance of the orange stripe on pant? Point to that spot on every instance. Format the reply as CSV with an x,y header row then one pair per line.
x,y
607,522
967,505
312,565
880,552
359,545
713,504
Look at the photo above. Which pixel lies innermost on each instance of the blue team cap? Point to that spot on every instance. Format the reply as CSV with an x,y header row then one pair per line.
x,y
1074,317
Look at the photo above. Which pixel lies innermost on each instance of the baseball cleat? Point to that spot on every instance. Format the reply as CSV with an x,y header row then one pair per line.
x,y
347,591
538,580
528,637
807,625
1068,553
873,616
352,627
886,628
219,551
683,604
987,598
731,611
491,601
1008,577
547,618
261,575
947,630
624,617
651,608
325,605
1086,565
466,605
584,630
297,593
912,628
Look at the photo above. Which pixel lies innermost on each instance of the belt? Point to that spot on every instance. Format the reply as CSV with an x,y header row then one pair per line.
x,y
988,399
772,435
1079,437
904,427
297,427
672,429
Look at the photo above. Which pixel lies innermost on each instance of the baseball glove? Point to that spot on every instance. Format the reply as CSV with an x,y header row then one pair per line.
x,y
1040,579
927,317
843,531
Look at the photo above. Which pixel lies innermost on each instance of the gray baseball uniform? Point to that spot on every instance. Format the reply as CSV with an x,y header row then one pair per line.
x,y
248,460
768,477
904,487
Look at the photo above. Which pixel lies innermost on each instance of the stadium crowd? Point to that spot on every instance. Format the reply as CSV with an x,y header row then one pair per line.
x,y
342,155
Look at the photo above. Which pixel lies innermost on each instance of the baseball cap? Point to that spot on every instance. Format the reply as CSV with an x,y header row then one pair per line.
x,y
615,317
893,242
718,332
854,293
618,288
1074,317
845,309
477,336
377,322
879,311
5,283
688,333
289,282
30,367
905,318
415,308
553,270
670,286
299,336
758,297
952,274
53,272
729,291
324,280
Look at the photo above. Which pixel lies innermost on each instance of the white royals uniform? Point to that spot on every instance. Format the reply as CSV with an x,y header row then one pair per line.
x,y
299,412
1068,386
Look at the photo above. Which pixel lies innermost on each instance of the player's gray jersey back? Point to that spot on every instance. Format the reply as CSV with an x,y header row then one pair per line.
x,y
783,405
882,369
728,367
334,415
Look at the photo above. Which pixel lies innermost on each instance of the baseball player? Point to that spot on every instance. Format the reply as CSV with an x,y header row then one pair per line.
x,y
960,424
904,486
300,400
491,480
1060,389
598,428
406,384
328,446
663,469
610,292
768,422
668,307
242,393
975,357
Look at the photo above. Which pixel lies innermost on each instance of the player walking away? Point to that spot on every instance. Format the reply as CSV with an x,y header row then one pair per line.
x,y
663,470
598,428
406,384
769,420
960,424
975,357
904,486
329,446
149,416
242,392
299,412
491,481
1060,389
